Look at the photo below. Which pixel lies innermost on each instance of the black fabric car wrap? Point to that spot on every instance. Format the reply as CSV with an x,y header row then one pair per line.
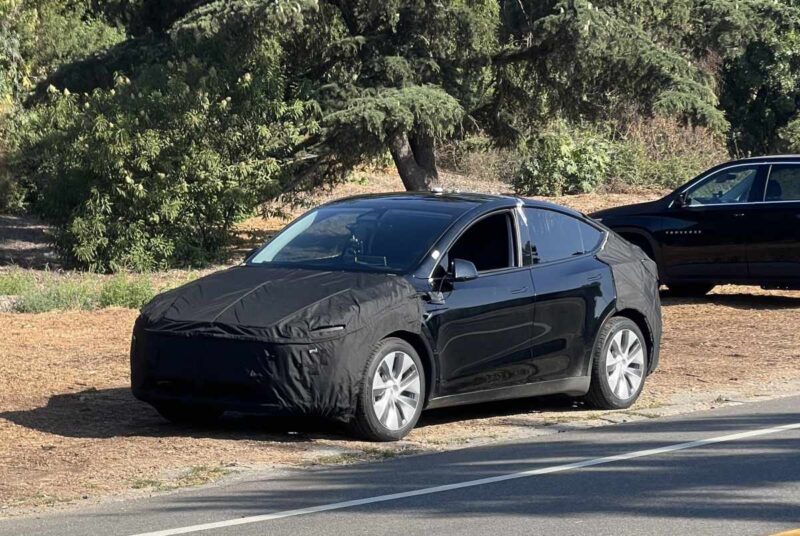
x,y
634,272
295,341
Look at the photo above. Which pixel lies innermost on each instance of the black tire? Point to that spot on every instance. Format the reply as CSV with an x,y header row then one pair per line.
x,y
690,290
187,413
366,423
601,395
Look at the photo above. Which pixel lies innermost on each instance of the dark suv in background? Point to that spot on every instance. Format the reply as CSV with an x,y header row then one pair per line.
x,y
737,223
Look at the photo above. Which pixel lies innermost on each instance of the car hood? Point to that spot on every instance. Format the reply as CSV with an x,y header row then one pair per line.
x,y
279,303
630,210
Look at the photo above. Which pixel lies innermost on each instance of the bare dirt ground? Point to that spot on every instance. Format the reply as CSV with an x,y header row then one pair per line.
x,y
71,432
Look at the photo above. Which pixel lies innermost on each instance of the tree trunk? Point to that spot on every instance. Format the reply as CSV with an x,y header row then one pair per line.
x,y
415,161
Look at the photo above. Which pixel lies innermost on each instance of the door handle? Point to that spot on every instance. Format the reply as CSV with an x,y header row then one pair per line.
x,y
519,290
739,215
594,277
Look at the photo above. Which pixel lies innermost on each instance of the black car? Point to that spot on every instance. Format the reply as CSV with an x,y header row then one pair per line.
x,y
369,309
737,223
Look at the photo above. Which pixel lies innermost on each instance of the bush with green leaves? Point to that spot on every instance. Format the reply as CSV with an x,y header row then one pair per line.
x,y
563,161
156,171
126,291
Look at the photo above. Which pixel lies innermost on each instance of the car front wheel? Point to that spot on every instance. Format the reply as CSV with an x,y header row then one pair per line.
x,y
619,365
392,392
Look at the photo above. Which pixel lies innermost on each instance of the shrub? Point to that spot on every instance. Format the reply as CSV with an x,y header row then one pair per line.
x,y
59,294
655,153
15,282
155,172
661,152
563,161
126,291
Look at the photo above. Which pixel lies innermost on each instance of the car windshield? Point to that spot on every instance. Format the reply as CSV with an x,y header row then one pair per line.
x,y
364,238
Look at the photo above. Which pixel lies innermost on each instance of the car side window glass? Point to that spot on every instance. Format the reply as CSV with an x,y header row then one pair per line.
x,y
726,186
488,244
783,183
555,236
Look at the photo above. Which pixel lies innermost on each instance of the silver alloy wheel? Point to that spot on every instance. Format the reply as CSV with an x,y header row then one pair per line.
x,y
625,364
395,390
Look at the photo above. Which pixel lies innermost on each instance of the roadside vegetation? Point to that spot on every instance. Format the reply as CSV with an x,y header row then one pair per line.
x,y
144,130
37,291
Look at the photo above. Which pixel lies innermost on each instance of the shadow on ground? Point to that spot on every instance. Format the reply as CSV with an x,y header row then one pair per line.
x,y
108,413
25,242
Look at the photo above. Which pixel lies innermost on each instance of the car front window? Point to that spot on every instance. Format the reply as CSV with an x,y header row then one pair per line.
x,y
724,187
364,238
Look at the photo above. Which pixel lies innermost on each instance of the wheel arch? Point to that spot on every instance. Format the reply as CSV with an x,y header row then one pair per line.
x,y
425,353
643,239
640,320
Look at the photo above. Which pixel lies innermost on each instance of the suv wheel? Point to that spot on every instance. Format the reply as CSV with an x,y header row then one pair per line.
x,y
392,392
619,365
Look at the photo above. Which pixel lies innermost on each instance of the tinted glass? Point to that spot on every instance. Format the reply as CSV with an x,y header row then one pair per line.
x,y
374,239
784,183
555,236
730,185
487,244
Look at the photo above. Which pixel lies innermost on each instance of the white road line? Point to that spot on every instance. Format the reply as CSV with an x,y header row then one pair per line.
x,y
470,483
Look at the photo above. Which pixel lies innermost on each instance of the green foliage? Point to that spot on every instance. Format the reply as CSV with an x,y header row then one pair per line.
x,y
653,153
15,282
58,294
561,161
39,292
125,291
155,171
151,126
761,86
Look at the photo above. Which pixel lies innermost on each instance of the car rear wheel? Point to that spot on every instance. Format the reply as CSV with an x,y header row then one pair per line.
x,y
187,413
619,365
690,290
392,392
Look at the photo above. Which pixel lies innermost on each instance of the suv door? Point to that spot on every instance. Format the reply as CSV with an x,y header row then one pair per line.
x,y
705,238
774,250
569,291
483,328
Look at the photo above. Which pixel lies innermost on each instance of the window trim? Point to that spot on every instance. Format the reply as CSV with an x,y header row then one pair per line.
x,y
515,228
749,203
700,182
580,219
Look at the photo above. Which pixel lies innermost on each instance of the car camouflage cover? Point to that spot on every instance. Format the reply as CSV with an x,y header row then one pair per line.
x,y
291,341
634,273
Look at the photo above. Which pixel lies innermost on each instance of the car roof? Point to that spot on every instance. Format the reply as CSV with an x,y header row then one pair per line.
x,y
451,202
765,158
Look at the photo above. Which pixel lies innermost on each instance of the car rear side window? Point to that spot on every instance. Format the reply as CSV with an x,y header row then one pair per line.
x,y
783,183
555,236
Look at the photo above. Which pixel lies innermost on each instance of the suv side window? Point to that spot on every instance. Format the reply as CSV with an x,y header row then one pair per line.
x,y
731,185
556,236
783,183
489,244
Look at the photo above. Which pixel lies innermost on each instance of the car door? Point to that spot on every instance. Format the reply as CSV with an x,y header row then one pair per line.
x,y
482,328
571,291
774,248
705,234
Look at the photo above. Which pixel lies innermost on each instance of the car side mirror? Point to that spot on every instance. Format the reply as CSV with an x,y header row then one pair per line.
x,y
682,200
464,270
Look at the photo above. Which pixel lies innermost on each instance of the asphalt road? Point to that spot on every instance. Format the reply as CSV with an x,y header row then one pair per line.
x,y
735,470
